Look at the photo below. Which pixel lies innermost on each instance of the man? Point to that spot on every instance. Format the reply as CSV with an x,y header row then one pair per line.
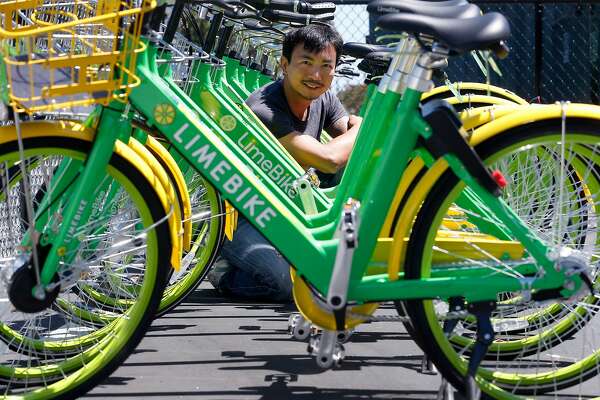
x,y
295,109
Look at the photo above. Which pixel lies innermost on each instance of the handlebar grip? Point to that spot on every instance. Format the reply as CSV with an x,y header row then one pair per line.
x,y
286,16
320,8
304,19
294,6
323,17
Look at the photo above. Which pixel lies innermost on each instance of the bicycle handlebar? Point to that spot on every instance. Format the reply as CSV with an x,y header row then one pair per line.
x,y
294,6
295,18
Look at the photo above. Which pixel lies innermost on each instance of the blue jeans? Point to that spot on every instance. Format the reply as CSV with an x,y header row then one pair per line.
x,y
256,268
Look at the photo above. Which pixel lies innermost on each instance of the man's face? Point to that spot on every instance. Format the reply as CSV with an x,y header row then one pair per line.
x,y
309,74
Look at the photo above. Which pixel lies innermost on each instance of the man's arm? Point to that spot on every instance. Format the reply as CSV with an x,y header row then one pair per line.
x,y
339,127
328,157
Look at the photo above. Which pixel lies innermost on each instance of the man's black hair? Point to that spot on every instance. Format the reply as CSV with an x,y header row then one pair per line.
x,y
315,38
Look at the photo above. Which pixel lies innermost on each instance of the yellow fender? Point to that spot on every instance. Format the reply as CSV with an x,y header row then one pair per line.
x,y
231,217
533,113
473,118
167,161
163,178
477,100
77,131
477,87
315,313
410,174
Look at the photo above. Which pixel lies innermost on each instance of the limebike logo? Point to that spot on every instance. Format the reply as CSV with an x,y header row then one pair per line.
x,y
274,170
232,183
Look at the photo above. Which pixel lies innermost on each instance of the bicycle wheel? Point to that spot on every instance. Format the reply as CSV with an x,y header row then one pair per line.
x,y
208,224
208,231
136,246
543,362
521,325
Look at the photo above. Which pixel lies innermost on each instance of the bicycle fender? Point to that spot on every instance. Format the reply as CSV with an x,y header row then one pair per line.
x,y
408,214
473,118
312,310
161,152
41,128
493,91
533,113
231,217
160,175
477,100
411,174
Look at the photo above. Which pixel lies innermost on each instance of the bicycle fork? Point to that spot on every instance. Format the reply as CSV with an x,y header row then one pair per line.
x,y
33,292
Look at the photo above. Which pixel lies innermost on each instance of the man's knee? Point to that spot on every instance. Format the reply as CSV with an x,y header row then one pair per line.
x,y
283,288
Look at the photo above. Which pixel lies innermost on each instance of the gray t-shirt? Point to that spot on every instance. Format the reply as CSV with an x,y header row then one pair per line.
x,y
270,105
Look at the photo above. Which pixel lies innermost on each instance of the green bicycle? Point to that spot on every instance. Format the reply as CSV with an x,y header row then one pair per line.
x,y
437,264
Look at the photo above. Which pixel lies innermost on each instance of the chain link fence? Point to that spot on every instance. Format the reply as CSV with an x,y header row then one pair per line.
x,y
352,22
554,50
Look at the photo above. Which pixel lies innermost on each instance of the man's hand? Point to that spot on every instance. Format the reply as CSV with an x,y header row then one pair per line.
x,y
353,121
329,157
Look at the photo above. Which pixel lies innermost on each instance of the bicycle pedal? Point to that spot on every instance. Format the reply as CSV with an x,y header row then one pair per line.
x,y
328,351
293,320
300,330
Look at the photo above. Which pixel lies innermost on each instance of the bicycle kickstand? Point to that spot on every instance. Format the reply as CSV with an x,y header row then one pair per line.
x,y
485,336
455,304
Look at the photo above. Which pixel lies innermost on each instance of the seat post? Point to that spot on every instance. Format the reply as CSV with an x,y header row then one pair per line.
x,y
419,78
397,59
411,51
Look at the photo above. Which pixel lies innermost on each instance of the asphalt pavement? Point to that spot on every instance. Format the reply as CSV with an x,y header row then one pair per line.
x,y
215,348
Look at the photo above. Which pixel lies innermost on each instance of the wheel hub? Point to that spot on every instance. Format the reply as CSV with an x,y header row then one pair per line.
x,y
22,284
575,263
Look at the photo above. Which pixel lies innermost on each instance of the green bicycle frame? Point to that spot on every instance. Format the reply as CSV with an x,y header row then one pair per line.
x,y
377,170
313,255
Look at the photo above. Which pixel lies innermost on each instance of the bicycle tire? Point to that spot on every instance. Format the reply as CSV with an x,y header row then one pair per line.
x,y
76,374
494,381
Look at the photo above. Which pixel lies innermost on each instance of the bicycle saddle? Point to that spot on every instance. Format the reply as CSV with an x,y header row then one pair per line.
x,y
360,50
460,10
375,63
487,31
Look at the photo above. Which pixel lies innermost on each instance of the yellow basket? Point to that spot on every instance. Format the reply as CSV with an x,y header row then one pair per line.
x,y
64,54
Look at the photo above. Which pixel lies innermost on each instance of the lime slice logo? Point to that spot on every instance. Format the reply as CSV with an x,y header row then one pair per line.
x,y
227,123
164,114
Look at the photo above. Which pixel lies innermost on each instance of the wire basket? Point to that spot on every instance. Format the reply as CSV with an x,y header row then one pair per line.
x,y
182,57
65,54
